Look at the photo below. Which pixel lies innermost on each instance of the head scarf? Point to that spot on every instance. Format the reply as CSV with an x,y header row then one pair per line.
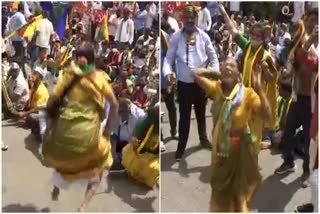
x,y
40,71
190,10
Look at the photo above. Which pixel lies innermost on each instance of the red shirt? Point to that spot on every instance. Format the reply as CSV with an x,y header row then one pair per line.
x,y
112,58
140,98
308,59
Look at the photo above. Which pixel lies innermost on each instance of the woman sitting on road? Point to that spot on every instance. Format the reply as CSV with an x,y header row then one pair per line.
x,y
141,155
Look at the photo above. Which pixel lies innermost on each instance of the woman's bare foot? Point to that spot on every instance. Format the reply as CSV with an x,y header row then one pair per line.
x,y
81,209
91,191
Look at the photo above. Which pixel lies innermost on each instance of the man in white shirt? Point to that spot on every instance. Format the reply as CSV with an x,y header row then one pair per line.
x,y
141,48
18,42
240,25
298,11
284,34
171,21
204,18
114,22
18,89
125,31
190,49
151,13
43,35
128,116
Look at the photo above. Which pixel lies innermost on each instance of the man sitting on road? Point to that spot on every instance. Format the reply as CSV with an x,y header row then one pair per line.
x,y
38,98
128,116
18,89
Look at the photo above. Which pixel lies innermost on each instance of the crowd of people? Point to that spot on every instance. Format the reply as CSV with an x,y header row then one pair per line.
x,y
86,83
262,76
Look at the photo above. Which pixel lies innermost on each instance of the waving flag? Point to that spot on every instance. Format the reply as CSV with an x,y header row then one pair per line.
x,y
31,28
104,31
62,24
27,12
59,9
27,29
14,5
48,6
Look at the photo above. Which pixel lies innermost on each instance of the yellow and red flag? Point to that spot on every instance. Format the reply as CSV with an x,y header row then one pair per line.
x,y
29,30
14,5
104,31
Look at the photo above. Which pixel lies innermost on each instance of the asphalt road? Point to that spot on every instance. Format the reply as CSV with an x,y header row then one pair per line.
x,y
27,186
185,186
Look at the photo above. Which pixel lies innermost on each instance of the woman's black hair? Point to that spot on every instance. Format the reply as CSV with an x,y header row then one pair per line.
x,y
86,49
4,55
153,114
259,27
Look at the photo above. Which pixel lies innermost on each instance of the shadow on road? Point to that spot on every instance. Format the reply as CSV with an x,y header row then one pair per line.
x,y
273,195
167,140
135,193
23,208
168,160
166,121
33,147
19,123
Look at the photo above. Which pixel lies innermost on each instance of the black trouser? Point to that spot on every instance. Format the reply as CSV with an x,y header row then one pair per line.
x,y
111,39
188,94
117,147
123,45
33,122
19,56
137,34
299,115
172,110
19,49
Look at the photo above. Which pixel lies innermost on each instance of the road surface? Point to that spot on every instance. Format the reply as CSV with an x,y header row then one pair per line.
x,y
26,183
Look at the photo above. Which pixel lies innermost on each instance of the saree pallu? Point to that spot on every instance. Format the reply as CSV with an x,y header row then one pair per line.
x,y
235,179
143,167
74,144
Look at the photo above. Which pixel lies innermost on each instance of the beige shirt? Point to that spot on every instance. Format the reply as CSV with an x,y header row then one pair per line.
x,y
18,86
125,31
150,15
45,28
204,19
114,21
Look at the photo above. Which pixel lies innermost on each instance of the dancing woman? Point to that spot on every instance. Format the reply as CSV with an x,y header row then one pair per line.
x,y
235,175
256,59
75,145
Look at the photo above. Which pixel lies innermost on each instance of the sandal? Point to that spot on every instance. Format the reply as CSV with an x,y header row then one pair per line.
x,y
55,194
81,210
4,147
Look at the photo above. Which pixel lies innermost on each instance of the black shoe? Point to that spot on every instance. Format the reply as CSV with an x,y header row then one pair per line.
x,y
117,167
175,136
305,179
36,137
304,208
206,144
55,194
285,167
178,157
